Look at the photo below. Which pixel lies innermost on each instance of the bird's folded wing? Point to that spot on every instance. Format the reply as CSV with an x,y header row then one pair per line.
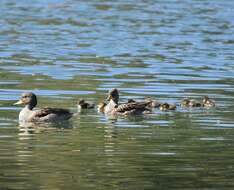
x,y
46,111
132,106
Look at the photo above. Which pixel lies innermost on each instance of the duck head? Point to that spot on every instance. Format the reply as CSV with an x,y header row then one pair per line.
x,y
28,99
113,95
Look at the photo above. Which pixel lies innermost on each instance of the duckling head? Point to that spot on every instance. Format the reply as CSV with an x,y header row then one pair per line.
x,y
148,99
207,102
205,99
185,102
81,102
28,99
131,101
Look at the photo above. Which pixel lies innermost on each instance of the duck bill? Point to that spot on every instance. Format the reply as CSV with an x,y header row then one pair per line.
x,y
18,103
108,98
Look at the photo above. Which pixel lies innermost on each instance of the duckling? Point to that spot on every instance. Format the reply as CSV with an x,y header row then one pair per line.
x,y
190,103
167,107
207,102
194,103
27,114
101,107
185,102
132,108
82,104
131,100
153,104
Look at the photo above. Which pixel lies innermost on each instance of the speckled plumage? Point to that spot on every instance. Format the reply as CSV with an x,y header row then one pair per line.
x,y
131,108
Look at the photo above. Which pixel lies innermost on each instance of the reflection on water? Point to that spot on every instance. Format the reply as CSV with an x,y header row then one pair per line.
x,y
170,50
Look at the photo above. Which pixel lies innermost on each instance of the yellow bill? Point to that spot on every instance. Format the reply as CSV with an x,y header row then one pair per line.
x,y
19,102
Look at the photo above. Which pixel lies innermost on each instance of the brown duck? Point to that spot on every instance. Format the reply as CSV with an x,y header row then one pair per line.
x,y
131,108
28,114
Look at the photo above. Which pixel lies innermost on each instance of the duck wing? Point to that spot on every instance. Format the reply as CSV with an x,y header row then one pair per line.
x,y
140,106
52,114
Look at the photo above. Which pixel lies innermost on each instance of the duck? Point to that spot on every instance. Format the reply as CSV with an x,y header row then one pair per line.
x,y
28,114
131,108
190,103
167,107
82,104
153,103
208,102
101,107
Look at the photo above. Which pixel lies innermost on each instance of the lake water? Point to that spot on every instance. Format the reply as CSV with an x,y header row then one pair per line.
x,y
64,50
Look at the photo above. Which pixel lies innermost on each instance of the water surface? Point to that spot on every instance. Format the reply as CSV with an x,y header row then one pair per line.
x,y
66,50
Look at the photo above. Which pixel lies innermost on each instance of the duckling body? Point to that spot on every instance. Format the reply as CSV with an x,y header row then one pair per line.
x,y
190,103
27,114
131,100
131,108
167,107
207,102
82,104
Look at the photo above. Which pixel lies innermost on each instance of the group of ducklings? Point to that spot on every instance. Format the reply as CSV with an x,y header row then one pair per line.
x,y
146,106
112,107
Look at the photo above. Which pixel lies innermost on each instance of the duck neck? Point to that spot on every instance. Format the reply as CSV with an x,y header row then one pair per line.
x,y
110,106
115,101
30,106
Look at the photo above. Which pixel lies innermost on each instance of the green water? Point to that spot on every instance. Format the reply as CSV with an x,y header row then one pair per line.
x,y
66,50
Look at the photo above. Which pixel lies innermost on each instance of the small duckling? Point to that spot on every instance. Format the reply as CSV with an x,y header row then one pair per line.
x,y
207,102
82,104
194,103
167,107
185,102
190,103
101,107
153,104
131,101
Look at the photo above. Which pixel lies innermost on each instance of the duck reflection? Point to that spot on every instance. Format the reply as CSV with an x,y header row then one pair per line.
x,y
29,129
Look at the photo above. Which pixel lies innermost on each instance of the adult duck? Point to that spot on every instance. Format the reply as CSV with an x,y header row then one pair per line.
x,y
28,114
130,108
